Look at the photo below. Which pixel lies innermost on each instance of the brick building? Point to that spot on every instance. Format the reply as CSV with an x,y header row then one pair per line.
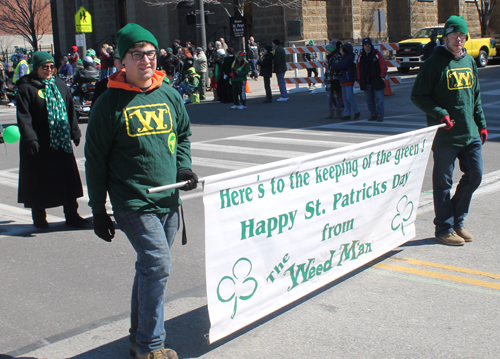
x,y
347,20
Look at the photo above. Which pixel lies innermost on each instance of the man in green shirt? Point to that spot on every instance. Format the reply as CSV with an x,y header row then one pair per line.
x,y
447,90
138,138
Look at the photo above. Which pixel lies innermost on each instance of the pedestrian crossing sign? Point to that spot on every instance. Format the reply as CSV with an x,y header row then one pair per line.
x,y
83,21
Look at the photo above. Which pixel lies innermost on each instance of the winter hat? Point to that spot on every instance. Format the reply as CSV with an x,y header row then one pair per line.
x,y
191,71
20,56
367,40
241,54
347,48
169,49
74,48
330,47
40,58
199,49
277,42
455,24
90,52
130,34
221,52
269,48
65,58
310,43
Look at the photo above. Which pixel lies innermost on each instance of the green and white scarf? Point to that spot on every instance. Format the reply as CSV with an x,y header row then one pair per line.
x,y
58,117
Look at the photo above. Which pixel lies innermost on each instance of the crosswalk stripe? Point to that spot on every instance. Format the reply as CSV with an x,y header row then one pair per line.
x,y
331,133
295,141
246,150
223,164
20,220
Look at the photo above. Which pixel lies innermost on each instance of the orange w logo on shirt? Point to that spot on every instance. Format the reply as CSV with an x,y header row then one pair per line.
x,y
148,119
459,79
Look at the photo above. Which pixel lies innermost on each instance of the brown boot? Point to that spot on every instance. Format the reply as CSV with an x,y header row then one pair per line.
x,y
451,239
465,234
160,354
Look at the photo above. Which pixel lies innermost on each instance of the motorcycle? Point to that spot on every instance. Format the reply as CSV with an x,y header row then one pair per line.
x,y
82,97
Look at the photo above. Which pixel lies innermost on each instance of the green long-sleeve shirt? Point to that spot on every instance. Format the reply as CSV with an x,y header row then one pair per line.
x,y
448,85
136,140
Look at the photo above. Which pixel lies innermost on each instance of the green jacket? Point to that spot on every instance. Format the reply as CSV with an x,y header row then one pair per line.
x,y
241,70
136,140
447,85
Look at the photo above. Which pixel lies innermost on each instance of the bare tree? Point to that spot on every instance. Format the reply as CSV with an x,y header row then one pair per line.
x,y
27,18
227,5
485,9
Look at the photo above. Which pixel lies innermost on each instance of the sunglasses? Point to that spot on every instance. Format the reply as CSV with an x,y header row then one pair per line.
x,y
47,67
139,55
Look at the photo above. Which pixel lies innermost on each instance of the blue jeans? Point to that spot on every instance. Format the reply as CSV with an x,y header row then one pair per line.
x,y
349,101
451,211
374,101
104,73
152,236
334,99
282,84
253,68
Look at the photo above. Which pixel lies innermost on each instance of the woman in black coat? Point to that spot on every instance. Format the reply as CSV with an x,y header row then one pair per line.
x,y
48,174
266,71
224,86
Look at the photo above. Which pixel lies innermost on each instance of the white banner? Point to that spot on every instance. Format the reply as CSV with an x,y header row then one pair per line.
x,y
279,231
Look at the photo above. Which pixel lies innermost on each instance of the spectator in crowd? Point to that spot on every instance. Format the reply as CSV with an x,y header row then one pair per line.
x,y
371,72
190,84
446,98
280,69
124,158
311,57
239,71
210,54
253,55
176,46
110,63
48,174
66,69
73,56
102,85
170,62
22,68
332,80
347,79
200,66
3,95
103,56
225,88
429,47
266,71
223,44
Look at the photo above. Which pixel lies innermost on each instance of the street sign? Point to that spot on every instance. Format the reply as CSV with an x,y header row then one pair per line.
x,y
83,21
238,25
379,20
80,40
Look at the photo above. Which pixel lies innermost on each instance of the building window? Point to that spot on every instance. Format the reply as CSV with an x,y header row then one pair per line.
x,y
426,0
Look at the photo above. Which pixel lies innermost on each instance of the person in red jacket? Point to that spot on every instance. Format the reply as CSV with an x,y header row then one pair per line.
x,y
372,70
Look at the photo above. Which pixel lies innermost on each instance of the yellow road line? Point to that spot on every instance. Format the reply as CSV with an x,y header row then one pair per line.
x,y
449,277
444,266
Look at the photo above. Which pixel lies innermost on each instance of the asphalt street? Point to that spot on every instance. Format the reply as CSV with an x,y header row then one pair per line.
x,y
66,293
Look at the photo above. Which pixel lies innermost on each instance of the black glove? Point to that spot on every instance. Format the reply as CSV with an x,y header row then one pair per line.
x,y
33,147
76,141
103,226
187,175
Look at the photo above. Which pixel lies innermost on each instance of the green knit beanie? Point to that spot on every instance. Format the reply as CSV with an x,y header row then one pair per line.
x,y
40,58
330,47
130,34
455,24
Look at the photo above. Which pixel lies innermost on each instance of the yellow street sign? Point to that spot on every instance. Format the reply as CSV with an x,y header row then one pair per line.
x,y
83,21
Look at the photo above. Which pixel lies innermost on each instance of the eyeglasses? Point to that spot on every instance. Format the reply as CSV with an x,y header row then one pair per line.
x,y
47,67
456,35
139,55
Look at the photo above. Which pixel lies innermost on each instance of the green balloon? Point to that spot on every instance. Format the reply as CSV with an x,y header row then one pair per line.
x,y
11,134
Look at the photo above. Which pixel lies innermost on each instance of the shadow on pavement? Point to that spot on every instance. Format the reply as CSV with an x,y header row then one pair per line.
x,y
187,334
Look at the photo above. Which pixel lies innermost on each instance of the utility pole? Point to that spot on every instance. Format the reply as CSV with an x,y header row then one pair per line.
x,y
201,37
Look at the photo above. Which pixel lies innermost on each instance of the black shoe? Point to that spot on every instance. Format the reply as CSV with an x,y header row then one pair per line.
x,y
380,119
77,222
373,118
267,101
41,224
346,118
357,115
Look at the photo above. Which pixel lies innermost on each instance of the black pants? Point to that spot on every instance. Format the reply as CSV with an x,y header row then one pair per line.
x,y
239,94
267,87
311,71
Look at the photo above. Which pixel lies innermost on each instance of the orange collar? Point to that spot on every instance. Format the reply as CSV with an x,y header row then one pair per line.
x,y
117,80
